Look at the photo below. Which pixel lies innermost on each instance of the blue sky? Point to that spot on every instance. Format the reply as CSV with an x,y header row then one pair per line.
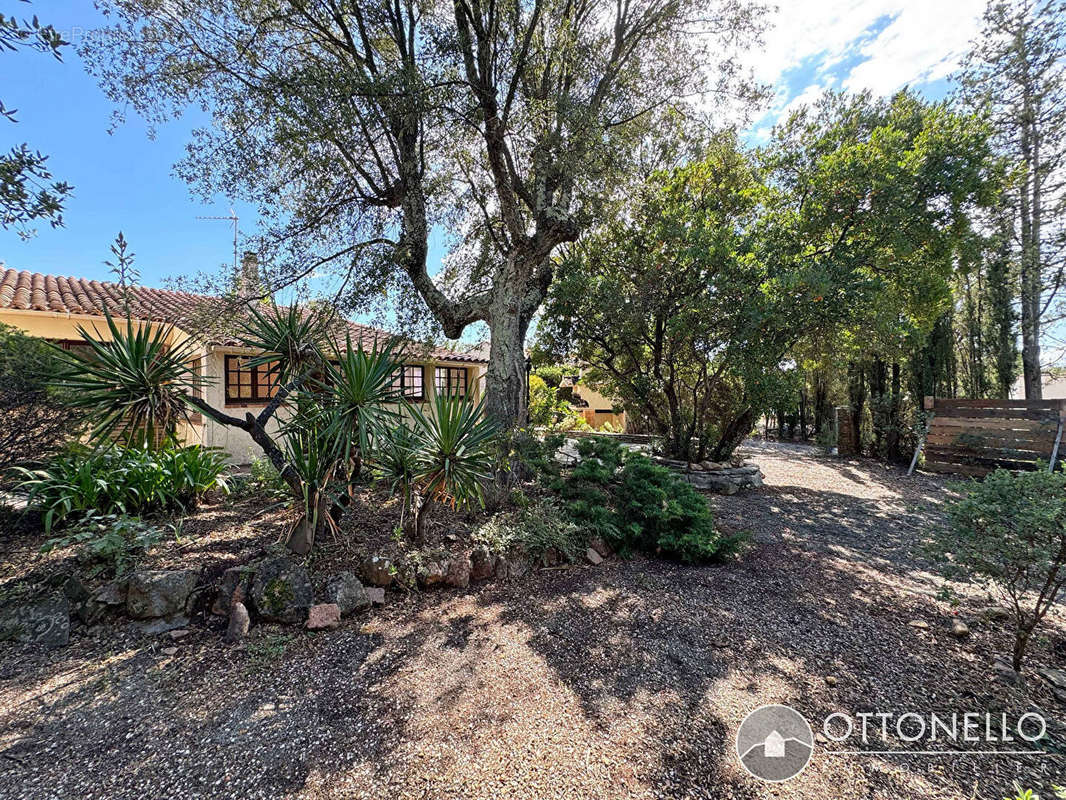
x,y
123,180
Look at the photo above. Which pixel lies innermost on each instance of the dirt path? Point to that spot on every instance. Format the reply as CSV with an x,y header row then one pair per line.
x,y
625,681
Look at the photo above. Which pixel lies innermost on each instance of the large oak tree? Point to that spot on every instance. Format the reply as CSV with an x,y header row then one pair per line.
x,y
360,127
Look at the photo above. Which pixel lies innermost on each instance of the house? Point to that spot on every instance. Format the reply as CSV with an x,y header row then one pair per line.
x,y
54,308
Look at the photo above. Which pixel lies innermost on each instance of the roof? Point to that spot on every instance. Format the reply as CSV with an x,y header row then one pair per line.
x,y
211,317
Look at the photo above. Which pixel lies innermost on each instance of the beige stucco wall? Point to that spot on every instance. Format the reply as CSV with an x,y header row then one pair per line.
x,y
599,408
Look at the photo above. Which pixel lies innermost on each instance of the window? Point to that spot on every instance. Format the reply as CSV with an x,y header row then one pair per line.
x,y
409,379
249,385
451,380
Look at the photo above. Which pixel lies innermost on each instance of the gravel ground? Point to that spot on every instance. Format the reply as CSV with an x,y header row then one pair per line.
x,y
622,681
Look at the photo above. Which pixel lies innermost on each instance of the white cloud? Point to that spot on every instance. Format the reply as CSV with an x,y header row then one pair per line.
x,y
922,41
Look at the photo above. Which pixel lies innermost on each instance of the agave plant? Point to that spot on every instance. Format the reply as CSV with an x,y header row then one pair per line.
x,y
136,382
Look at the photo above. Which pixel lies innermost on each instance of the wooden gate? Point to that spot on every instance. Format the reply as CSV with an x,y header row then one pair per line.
x,y
973,437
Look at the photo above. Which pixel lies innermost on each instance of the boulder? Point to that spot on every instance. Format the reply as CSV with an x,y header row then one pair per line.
x,y
347,593
159,593
552,557
323,617
513,565
431,574
601,547
959,629
593,557
239,622
233,579
376,595
281,590
482,563
112,594
377,571
42,620
83,604
458,572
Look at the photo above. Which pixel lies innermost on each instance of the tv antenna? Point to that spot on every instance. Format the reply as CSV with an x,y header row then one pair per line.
x,y
234,219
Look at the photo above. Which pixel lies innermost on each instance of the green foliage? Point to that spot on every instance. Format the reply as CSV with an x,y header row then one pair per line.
x,y
550,374
118,480
535,529
133,385
549,409
635,504
659,511
265,479
27,192
444,456
35,419
1029,794
111,543
1009,531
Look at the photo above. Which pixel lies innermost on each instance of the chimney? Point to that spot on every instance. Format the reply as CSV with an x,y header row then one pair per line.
x,y
249,282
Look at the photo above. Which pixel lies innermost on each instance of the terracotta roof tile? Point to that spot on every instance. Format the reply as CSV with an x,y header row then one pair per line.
x,y
213,318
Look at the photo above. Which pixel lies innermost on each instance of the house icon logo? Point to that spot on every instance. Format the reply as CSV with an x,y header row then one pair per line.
x,y
774,743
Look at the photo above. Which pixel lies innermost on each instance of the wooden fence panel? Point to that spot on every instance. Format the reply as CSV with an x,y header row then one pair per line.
x,y
974,437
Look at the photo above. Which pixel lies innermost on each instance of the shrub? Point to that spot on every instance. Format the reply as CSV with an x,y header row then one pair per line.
x,y
1009,531
111,543
635,504
537,528
119,480
265,479
35,420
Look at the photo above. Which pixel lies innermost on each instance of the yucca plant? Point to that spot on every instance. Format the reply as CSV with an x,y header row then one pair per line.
x,y
314,450
291,338
449,459
135,383
362,389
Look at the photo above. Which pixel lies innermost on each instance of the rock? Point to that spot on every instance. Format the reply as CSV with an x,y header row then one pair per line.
x,y
513,565
593,557
457,574
552,557
377,571
708,465
281,590
112,594
323,617
995,613
919,624
1005,673
431,574
376,595
601,547
82,603
159,593
729,488
154,627
239,622
43,620
482,563
959,629
830,680
179,633
233,579
1056,677
347,593
693,467
169,651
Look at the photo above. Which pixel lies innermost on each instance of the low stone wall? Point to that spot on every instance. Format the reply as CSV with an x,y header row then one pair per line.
x,y
721,478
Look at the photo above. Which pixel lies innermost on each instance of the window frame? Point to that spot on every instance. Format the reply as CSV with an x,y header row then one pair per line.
x,y
446,388
257,398
405,387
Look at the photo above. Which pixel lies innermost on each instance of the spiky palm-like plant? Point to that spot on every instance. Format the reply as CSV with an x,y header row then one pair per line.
x,y
362,389
136,382
449,456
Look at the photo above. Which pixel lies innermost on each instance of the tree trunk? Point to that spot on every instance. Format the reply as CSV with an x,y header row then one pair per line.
x,y
506,398
1030,260
857,400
